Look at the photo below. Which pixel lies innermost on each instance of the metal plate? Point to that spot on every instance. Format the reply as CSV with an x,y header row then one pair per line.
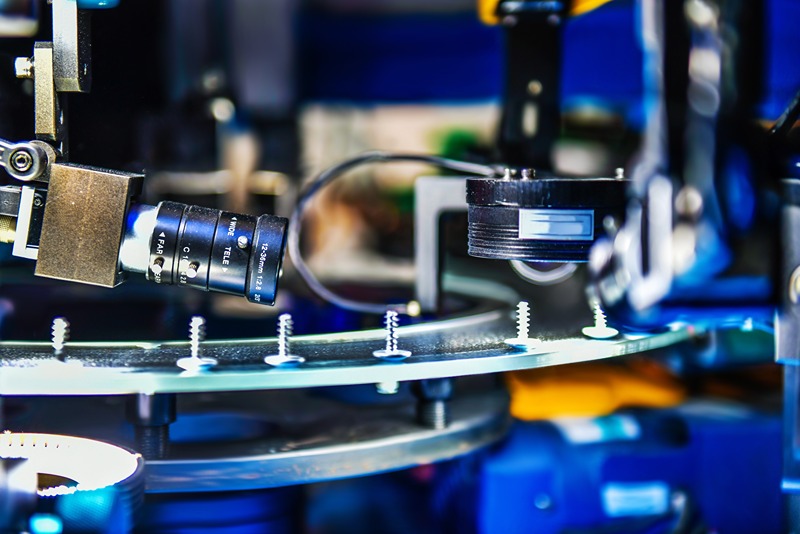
x,y
281,438
455,347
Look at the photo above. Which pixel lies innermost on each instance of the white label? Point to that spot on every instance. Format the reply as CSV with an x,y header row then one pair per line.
x,y
627,499
556,225
581,430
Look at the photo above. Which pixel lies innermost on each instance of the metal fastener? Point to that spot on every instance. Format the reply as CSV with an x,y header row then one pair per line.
x,y
23,67
284,357
197,333
387,388
600,329
59,337
242,241
21,160
157,266
192,269
390,351
523,339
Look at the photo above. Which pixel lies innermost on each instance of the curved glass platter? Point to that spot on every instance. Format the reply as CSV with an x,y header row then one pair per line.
x,y
469,345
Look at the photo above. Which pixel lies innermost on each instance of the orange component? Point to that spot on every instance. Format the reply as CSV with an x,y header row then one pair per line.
x,y
580,7
591,389
487,12
487,9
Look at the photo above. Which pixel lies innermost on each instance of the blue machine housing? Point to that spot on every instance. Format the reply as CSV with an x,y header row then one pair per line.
x,y
727,465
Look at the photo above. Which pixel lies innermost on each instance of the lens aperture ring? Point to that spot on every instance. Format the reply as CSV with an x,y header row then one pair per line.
x,y
230,254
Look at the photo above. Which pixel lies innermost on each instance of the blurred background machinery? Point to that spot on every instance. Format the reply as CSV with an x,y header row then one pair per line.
x,y
535,254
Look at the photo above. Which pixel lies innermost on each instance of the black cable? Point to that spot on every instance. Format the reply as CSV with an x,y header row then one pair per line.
x,y
330,174
788,118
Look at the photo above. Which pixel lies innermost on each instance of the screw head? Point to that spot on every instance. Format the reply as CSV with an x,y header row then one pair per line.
x,y
387,388
157,266
23,67
535,87
21,160
192,269
242,242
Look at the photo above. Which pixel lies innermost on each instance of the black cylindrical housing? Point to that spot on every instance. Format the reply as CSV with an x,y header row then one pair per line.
x,y
216,250
540,219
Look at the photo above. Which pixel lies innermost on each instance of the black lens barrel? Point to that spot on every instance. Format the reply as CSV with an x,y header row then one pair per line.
x,y
216,250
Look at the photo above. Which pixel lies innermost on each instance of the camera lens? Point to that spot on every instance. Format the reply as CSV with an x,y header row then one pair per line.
x,y
206,249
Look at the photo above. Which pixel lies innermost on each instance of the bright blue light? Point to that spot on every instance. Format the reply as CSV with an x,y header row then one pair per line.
x,y
46,524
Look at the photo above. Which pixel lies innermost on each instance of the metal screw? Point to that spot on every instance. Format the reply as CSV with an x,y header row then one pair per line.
x,y
157,266
23,67
242,241
197,333
37,201
22,161
523,339
433,402
600,329
387,388
284,357
60,335
191,270
391,352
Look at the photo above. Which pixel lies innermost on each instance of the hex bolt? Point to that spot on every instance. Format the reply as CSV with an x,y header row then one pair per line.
x,y
22,161
284,357
391,352
523,339
433,402
600,329
197,333
59,337
151,416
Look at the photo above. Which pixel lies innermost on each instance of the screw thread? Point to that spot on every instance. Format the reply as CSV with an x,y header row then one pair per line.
x,y
285,329
60,334
391,322
599,316
197,333
433,414
523,320
152,441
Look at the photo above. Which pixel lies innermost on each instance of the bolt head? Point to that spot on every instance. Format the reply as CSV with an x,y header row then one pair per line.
x,y
192,269
22,161
535,87
23,67
387,388
157,266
